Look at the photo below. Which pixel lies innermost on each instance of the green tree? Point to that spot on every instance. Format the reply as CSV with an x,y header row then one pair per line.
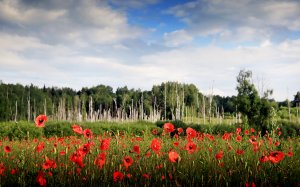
x,y
255,111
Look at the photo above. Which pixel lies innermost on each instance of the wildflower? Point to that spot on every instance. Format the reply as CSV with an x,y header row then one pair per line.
x,y
155,145
190,132
2,168
136,149
40,147
238,130
77,158
190,147
85,149
219,155
146,176
179,130
40,120
49,164
173,156
77,129
276,156
226,136
240,151
100,160
264,159
7,149
105,144
127,161
40,179
118,176
88,133
154,131
239,138
168,127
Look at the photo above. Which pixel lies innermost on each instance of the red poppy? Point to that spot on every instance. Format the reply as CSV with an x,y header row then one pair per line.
x,y
13,171
146,176
154,131
246,132
7,149
40,120
105,144
155,145
239,138
168,127
88,133
40,147
49,164
190,132
127,161
176,144
77,158
250,185
219,155
252,130
62,153
226,136
240,151
238,130
2,168
40,179
173,156
77,129
100,160
276,156
85,149
180,130
264,159
118,176
136,149
190,147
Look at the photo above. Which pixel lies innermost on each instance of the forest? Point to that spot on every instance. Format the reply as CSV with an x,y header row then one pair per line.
x,y
167,101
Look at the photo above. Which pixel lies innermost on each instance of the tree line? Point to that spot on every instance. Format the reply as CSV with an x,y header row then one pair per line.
x,y
167,101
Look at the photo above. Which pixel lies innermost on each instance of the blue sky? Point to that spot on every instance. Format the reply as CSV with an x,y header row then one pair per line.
x,y
76,44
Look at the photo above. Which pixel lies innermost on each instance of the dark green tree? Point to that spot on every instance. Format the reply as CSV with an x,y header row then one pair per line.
x,y
255,111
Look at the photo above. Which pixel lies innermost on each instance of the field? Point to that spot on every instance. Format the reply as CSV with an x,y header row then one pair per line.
x,y
148,156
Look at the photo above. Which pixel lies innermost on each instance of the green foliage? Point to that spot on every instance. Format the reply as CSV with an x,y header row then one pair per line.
x,y
256,111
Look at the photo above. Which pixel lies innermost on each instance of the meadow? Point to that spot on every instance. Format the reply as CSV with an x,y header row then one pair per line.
x,y
145,154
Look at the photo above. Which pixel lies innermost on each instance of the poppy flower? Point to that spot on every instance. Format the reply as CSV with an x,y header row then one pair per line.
x,y
118,176
146,176
168,127
49,164
127,161
155,145
136,149
173,156
77,158
40,147
154,131
264,159
100,160
105,144
240,151
246,132
85,149
239,138
40,179
77,129
179,130
7,149
40,120
190,147
2,168
238,130
226,136
190,132
88,133
219,155
276,156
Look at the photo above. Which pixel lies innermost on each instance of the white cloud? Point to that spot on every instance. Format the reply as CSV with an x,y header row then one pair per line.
x,y
177,38
239,18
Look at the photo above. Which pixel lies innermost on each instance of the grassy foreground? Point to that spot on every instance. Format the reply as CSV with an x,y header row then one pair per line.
x,y
240,158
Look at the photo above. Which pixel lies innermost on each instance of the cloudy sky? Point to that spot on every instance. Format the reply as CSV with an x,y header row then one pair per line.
x,y
76,43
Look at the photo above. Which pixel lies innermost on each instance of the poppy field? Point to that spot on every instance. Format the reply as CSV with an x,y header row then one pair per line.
x,y
164,157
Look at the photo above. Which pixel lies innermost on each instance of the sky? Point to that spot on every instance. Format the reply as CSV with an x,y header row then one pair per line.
x,y
138,44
